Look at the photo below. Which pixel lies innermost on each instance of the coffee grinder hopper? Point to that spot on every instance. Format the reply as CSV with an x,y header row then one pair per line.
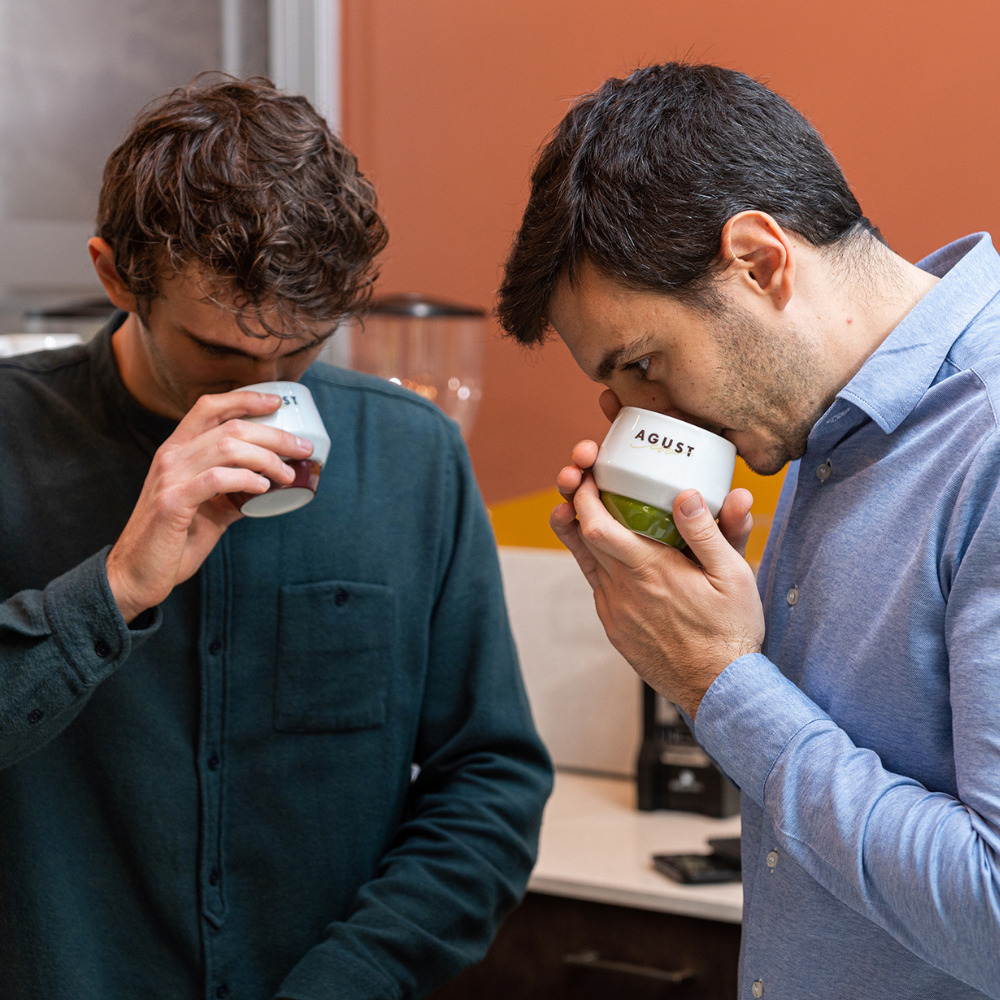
x,y
429,345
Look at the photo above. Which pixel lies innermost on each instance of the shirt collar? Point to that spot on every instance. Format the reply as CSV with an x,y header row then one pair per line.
x,y
896,376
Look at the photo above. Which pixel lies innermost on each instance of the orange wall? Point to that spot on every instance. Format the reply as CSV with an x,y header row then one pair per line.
x,y
446,101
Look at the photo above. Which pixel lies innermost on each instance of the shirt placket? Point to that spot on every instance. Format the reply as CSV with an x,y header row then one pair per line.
x,y
815,472
213,655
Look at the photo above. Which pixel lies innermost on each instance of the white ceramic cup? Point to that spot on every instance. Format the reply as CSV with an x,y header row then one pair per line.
x,y
298,415
648,458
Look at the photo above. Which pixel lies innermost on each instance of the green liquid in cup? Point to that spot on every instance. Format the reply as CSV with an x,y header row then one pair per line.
x,y
645,519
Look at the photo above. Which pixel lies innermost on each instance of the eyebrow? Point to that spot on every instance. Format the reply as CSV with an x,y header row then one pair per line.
x,y
613,358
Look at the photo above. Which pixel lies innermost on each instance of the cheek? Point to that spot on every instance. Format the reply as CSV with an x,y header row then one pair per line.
x,y
635,392
653,398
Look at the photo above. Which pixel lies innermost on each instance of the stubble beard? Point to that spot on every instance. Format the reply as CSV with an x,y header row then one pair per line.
x,y
768,384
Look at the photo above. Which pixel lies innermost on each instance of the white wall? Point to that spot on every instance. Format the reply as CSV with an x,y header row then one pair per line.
x,y
587,701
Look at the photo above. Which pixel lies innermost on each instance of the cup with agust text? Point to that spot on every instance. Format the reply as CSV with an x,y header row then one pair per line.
x,y
298,415
648,458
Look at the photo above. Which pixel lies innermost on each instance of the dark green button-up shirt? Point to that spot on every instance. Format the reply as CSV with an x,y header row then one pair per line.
x,y
311,773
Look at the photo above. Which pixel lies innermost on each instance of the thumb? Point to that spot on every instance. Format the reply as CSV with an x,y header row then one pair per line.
x,y
698,528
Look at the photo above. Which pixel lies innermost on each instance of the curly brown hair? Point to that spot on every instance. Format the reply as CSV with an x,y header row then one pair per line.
x,y
250,188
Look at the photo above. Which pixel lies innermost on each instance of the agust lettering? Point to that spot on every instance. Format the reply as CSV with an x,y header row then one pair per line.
x,y
663,443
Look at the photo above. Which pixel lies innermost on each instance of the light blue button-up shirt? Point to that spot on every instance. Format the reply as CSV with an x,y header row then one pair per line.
x,y
866,736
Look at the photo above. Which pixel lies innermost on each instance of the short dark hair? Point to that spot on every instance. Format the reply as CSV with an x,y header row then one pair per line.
x,y
641,176
250,187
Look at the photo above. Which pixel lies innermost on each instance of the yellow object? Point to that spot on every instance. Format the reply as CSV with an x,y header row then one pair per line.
x,y
765,490
524,520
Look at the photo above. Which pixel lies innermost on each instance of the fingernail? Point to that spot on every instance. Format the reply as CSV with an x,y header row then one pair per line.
x,y
304,443
692,506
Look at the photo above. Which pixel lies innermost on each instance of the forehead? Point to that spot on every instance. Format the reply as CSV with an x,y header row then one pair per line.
x,y
204,308
604,322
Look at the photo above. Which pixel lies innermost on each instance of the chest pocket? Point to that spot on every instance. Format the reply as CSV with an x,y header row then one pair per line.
x,y
334,659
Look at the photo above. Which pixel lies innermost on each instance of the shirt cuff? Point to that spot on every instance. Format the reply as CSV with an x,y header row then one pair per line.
x,y
747,718
87,624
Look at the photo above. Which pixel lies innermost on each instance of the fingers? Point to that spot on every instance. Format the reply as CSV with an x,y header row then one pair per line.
x,y
584,453
606,538
568,481
570,476
214,433
592,535
186,495
706,541
563,522
220,409
216,408
242,444
735,520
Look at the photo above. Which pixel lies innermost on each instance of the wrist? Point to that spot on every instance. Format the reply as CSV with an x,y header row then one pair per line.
x,y
128,605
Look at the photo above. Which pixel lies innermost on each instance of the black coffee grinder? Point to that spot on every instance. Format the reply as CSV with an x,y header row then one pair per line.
x,y
672,771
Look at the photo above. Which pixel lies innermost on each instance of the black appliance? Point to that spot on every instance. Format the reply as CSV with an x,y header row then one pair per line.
x,y
672,771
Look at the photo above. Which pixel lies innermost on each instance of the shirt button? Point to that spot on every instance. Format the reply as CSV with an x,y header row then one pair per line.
x,y
214,646
221,991
824,470
772,860
757,989
792,596
35,715
340,597
213,762
102,649
213,877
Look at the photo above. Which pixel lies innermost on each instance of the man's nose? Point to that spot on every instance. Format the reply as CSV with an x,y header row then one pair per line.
x,y
265,369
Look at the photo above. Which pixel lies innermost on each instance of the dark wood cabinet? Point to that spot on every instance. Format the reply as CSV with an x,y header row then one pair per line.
x,y
557,948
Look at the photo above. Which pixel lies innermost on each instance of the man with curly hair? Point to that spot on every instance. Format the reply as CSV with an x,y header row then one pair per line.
x,y
240,757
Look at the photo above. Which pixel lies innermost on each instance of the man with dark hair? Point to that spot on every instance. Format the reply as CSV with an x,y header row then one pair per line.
x,y
697,248
285,757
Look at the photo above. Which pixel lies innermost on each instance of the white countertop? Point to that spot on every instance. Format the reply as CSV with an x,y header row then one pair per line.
x,y
596,845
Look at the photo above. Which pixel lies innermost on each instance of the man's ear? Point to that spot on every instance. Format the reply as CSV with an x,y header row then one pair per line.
x,y
762,252
104,264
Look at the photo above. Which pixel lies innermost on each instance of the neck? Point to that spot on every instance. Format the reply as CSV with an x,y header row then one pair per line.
x,y
873,291
135,367
899,286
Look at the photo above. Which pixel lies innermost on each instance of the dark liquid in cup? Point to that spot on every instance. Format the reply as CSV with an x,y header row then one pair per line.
x,y
306,477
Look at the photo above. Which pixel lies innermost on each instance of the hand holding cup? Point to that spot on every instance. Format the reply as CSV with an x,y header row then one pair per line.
x,y
298,415
648,459
183,509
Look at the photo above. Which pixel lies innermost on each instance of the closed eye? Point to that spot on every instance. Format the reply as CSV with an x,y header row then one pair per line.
x,y
217,350
220,351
